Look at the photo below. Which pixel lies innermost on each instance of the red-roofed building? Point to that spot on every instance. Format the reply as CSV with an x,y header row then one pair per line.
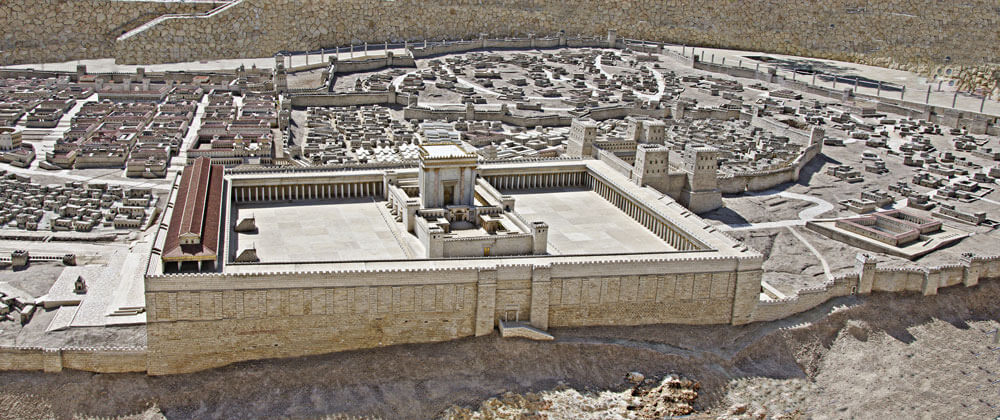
x,y
193,234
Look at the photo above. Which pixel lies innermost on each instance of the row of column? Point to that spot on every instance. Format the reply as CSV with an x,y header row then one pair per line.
x,y
646,219
307,191
553,180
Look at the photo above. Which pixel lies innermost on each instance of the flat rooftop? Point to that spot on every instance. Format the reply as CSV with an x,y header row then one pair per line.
x,y
445,151
581,222
329,230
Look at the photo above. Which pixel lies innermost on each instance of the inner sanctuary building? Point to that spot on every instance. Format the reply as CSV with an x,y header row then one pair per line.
x,y
316,261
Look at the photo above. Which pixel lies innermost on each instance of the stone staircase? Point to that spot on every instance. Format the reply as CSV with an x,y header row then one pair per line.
x,y
394,229
128,310
510,329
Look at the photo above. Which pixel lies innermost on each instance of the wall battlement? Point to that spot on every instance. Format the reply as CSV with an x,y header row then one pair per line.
x,y
925,280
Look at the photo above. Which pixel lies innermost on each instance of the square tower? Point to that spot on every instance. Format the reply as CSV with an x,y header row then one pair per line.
x,y
447,175
701,193
702,163
656,132
582,134
651,166
645,130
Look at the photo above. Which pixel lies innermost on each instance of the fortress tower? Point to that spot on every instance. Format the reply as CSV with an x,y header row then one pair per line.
x,y
651,167
582,134
280,76
701,194
646,130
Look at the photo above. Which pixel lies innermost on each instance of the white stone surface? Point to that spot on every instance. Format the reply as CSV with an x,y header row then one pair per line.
x,y
581,222
337,230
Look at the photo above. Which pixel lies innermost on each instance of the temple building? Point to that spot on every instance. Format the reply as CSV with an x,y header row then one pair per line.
x,y
193,234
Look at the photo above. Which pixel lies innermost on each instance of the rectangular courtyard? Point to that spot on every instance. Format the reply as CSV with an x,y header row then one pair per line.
x,y
330,230
581,222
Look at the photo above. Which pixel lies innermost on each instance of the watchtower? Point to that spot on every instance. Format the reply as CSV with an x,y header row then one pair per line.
x,y
582,134
701,193
651,166
702,163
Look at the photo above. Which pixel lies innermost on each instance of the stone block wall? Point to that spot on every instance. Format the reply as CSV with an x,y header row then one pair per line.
x,y
195,330
104,360
39,31
197,322
852,30
702,298
925,281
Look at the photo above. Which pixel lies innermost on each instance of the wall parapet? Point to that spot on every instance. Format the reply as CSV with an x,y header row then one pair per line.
x,y
91,359
926,280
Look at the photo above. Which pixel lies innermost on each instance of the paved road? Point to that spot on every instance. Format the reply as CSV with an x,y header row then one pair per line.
x,y
822,260
809,213
916,85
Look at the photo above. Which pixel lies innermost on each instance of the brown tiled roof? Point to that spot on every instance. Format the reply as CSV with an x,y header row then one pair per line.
x,y
197,210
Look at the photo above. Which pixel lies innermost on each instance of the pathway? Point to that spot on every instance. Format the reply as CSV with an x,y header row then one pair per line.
x,y
826,267
807,214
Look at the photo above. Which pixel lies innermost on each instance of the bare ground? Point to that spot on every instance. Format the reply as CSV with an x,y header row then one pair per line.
x,y
853,357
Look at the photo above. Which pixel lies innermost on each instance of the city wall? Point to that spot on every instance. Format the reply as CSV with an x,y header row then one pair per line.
x,y
870,278
104,360
764,180
975,122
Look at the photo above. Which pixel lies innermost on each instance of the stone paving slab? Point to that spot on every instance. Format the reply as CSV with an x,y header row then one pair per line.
x,y
63,318
581,222
338,230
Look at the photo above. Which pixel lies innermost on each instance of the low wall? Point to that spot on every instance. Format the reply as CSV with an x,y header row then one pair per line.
x,y
487,115
738,183
871,278
102,360
342,99
806,299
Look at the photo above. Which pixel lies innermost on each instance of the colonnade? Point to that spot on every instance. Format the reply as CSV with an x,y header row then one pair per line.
x,y
536,180
645,218
259,193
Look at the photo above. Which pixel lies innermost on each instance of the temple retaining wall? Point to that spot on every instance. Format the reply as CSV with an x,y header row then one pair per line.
x,y
202,321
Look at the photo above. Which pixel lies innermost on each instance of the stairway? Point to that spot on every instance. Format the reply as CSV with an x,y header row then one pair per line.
x,y
509,329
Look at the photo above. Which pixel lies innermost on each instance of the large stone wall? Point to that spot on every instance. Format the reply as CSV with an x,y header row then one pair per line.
x,y
916,35
189,331
904,30
201,321
870,278
103,360
39,31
